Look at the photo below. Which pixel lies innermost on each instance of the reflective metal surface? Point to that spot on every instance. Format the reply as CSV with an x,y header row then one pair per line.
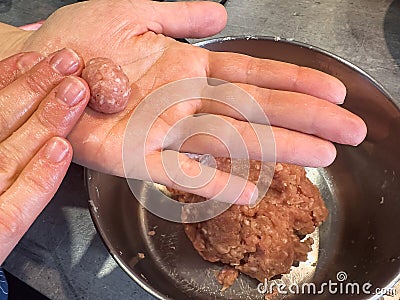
x,y
361,238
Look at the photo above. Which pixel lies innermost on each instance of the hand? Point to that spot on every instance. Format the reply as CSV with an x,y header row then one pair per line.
x,y
300,102
39,107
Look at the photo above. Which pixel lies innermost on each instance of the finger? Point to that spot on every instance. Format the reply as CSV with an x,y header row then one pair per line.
x,y
282,145
55,116
221,186
12,67
27,197
295,111
187,19
20,99
276,75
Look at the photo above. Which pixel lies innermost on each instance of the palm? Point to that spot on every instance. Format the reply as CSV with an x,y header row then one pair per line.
x,y
300,102
147,58
99,136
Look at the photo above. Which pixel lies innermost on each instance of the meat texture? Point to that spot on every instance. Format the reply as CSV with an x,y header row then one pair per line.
x,y
266,240
109,85
226,277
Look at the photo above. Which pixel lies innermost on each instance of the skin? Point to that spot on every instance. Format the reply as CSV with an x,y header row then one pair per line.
x,y
300,102
41,102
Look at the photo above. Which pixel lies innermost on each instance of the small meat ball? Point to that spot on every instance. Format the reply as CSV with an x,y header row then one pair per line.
x,y
109,85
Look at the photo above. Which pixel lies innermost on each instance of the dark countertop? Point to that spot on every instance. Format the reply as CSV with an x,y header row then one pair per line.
x,y
63,257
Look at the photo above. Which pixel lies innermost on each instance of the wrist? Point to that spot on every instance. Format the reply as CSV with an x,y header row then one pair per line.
x,y
12,40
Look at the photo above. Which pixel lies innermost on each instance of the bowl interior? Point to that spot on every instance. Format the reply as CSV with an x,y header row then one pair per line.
x,y
362,189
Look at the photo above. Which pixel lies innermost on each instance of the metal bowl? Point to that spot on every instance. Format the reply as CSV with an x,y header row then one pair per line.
x,y
359,245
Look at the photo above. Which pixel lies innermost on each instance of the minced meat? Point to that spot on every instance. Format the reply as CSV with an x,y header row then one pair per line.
x,y
266,240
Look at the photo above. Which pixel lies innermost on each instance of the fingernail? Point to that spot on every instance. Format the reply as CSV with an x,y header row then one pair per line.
x,y
28,60
56,150
71,91
65,62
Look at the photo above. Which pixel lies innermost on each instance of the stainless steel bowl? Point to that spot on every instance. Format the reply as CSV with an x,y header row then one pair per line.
x,y
360,240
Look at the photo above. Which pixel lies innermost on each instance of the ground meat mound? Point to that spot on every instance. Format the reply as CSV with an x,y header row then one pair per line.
x,y
109,85
266,240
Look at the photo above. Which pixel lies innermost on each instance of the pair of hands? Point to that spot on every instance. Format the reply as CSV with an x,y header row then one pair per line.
x,y
300,102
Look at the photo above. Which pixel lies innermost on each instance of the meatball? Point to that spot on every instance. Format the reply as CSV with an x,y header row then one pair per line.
x,y
109,85
266,240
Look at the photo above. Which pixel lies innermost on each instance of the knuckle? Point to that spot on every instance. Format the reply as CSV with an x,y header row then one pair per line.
x,y
41,185
181,178
189,169
47,122
39,82
187,166
5,126
9,165
286,149
53,118
190,18
296,77
11,222
253,68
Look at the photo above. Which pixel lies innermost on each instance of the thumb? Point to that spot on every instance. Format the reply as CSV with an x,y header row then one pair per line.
x,y
188,19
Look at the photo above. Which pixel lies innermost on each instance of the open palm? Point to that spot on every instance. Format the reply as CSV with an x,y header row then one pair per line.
x,y
300,102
